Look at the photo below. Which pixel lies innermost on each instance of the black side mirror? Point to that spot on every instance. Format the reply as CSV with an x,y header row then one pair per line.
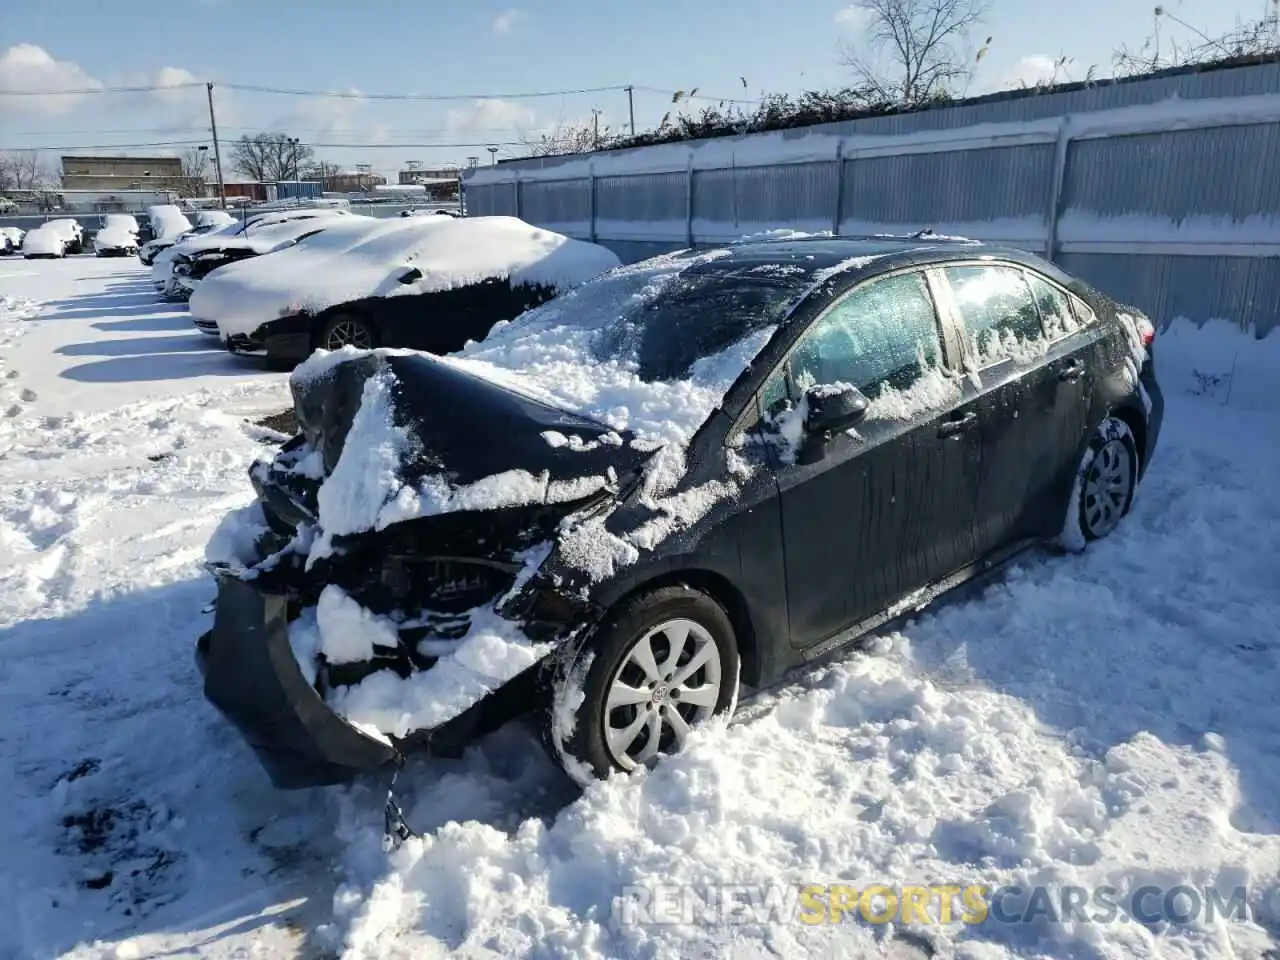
x,y
832,409
412,275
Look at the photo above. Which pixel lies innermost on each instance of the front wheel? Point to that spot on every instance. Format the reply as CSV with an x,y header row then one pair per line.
x,y
659,665
346,330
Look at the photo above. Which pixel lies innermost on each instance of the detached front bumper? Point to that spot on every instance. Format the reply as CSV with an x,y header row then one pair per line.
x,y
251,676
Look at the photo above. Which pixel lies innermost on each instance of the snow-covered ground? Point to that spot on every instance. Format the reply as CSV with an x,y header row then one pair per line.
x,y
1105,719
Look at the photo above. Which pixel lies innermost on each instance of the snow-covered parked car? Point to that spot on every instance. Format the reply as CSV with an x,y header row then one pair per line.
x,y
167,224
677,481
11,240
117,237
46,242
430,283
192,260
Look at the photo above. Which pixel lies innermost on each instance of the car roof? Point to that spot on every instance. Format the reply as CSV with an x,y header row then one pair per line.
x,y
854,257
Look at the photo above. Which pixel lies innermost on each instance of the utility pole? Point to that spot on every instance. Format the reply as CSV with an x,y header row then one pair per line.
x,y
217,153
595,136
631,107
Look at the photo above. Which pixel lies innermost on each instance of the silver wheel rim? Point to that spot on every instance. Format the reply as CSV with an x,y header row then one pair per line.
x,y
348,333
668,682
1106,487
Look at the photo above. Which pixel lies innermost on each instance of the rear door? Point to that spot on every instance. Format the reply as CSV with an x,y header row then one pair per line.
x,y
890,507
1029,382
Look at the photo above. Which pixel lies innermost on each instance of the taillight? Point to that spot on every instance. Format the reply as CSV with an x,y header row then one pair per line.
x,y
1147,331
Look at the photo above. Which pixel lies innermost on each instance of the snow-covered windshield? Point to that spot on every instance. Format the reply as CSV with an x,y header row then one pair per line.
x,y
664,322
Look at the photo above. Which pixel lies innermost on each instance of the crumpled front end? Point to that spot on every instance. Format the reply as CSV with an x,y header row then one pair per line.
x,y
425,634
251,676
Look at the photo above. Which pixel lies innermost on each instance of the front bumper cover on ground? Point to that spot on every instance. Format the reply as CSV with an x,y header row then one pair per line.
x,y
251,676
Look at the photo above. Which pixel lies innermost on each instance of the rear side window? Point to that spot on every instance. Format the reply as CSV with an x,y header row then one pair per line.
x,y
884,333
1055,307
997,308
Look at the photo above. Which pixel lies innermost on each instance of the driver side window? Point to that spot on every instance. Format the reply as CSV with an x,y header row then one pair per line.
x,y
881,334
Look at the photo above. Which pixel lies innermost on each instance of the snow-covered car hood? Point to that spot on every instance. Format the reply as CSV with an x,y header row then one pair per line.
x,y
446,441
44,241
115,237
446,252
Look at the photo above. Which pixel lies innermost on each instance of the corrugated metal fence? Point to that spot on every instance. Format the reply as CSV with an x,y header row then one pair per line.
x,y
1164,192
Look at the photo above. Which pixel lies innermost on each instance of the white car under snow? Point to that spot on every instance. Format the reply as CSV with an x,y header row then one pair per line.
x,y
180,269
429,283
117,237
46,241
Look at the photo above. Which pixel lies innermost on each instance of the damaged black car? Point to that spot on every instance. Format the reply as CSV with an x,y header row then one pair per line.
x,y
661,490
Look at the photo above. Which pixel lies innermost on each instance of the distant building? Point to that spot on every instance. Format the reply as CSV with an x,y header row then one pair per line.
x,y
441,182
352,181
125,173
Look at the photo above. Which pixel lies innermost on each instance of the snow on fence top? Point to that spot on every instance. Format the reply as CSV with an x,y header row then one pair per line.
x,y
785,146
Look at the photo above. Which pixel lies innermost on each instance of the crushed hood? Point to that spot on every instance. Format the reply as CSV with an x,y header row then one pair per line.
x,y
460,430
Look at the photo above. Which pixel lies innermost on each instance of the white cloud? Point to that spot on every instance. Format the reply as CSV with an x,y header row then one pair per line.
x,y
1028,71
507,19
487,116
855,16
326,117
26,66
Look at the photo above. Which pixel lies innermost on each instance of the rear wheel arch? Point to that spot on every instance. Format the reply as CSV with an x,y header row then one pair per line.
x,y
1134,419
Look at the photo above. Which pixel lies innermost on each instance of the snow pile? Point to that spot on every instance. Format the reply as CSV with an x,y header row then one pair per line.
x,y
214,218
17,308
352,264
493,652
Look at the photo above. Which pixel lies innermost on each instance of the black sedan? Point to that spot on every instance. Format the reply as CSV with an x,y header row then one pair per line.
x,y
685,477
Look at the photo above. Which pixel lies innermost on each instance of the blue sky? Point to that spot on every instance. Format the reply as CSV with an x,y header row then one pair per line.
x,y
480,50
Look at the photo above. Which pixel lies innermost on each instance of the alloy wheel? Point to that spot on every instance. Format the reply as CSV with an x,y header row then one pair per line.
x,y
668,682
1108,485
348,333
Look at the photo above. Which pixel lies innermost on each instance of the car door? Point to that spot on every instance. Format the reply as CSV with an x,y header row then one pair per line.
x,y
1023,401
889,506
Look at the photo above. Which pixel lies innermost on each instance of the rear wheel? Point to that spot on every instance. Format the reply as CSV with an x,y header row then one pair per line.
x,y
346,330
1108,479
659,665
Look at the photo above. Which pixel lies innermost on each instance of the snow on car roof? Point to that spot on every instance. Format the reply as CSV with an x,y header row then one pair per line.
x,y
349,264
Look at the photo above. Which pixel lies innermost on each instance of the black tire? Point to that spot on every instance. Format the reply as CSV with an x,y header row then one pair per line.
x,y
577,686
348,328
1108,479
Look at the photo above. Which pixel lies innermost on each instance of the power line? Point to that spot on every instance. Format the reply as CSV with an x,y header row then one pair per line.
x,y
313,145
84,91
424,97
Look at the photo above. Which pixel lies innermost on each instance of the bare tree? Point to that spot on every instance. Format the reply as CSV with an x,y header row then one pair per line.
x,y
24,170
320,170
914,51
270,156
1247,38
195,171
566,138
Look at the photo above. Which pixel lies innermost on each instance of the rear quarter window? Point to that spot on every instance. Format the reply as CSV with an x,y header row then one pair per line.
x,y
1055,308
997,307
